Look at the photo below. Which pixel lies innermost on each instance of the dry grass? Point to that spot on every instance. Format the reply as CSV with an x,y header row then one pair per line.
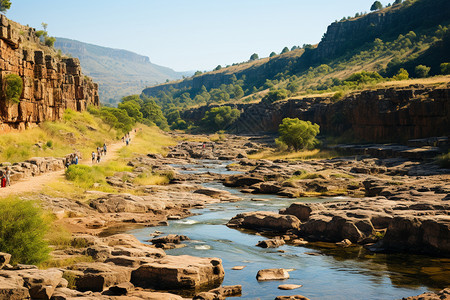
x,y
147,140
151,179
300,155
80,132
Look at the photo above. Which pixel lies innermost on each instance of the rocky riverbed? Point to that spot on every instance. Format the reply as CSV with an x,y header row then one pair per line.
x,y
386,205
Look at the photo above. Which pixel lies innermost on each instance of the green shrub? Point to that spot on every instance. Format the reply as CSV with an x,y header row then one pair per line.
x,y
422,71
298,134
402,75
275,95
49,144
49,41
22,231
445,68
444,160
364,78
14,87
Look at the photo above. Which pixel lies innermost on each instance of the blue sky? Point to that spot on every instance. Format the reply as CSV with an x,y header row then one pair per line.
x,y
188,35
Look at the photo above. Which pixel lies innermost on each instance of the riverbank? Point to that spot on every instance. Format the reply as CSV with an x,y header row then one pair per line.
x,y
393,185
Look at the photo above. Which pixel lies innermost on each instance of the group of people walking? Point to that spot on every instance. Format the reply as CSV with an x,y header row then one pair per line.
x,y
72,159
126,138
96,157
6,178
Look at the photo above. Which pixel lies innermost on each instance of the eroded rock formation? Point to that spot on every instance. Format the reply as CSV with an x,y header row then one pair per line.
x,y
51,84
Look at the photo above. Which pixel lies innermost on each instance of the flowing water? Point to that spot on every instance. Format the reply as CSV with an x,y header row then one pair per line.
x,y
324,270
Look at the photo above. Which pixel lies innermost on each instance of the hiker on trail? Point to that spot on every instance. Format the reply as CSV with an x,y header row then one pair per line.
x,y
93,157
8,176
67,164
76,159
127,141
104,148
204,145
99,153
212,146
3,180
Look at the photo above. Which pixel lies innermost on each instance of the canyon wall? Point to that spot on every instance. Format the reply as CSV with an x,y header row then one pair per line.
x,y
383,115
51,84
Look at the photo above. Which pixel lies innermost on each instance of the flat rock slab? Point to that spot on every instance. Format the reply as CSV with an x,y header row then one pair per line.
x,y
179,272
289,286
238,268
272,274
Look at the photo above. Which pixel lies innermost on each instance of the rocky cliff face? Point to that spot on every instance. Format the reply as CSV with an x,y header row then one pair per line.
x,y
374,115
347,35
50,84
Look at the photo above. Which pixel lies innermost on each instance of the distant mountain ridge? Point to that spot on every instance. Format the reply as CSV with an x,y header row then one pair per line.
x,y
118,72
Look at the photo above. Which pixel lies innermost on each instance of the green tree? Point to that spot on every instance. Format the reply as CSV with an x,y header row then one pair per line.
x,y
272,54
254,56
179,124
293,87
298,134
238,92
219,118
197,73
14,87
376,6
364,77
218,68
22,231
285,49
445,68
153,113
398,2
275,95
402,75
133,110
5,5
422,71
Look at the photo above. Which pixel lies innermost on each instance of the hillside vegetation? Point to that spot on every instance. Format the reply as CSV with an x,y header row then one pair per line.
x,y
400,42
118,72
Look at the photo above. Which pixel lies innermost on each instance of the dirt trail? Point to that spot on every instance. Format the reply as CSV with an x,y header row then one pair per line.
x,y
35,184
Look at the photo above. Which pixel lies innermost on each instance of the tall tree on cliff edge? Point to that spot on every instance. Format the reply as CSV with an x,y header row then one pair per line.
x,y
4,5
376,6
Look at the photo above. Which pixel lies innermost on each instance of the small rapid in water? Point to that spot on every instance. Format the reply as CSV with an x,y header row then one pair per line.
x,y
324,270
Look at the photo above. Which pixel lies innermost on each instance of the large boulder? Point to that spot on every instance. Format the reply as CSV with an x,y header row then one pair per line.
x,y
265,220
98,276
179,272
242,180
302,210
4,259
11,288
272,274
272,243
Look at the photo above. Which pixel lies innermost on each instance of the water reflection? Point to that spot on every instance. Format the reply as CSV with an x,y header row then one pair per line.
x,y
324,270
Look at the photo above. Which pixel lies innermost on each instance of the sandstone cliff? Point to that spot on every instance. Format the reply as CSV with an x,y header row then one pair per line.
x,y
51,84
374,115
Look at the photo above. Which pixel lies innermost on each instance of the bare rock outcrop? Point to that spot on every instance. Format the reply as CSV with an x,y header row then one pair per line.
x,y
50,84
265,220
179,272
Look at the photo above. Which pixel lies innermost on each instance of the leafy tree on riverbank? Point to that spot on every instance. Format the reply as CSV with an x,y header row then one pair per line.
x,y
219,118
298,134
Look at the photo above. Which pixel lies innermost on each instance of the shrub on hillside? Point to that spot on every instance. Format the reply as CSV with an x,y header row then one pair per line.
x,y
22,231
444,160
445,68
422,71
275,95
298,134
364,78
13,87
402,75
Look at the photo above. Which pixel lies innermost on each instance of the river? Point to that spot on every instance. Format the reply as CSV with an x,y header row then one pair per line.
x,y
324,270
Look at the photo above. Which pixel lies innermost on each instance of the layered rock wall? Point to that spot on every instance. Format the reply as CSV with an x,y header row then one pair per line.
x,y
374,115
50,84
